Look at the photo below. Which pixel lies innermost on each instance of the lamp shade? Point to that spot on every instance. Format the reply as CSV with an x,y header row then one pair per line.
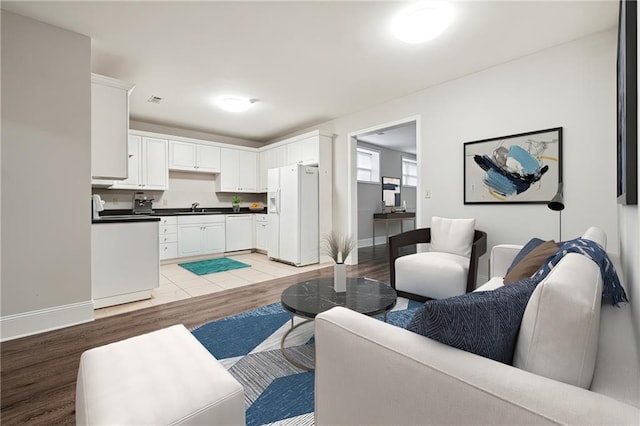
x,y
557,202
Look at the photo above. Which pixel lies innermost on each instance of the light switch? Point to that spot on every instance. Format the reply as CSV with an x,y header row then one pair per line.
x,y
427,193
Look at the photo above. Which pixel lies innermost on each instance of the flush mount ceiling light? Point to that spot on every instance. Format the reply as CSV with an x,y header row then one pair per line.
x,y
423,21
234,103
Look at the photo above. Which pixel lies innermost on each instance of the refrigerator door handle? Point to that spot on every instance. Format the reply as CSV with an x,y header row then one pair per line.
x,y
278,201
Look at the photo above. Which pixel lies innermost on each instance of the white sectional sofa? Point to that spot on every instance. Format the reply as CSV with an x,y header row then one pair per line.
x,y
577,362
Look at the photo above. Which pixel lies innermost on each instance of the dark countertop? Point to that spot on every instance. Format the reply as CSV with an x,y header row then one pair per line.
x,y
122,218
126,215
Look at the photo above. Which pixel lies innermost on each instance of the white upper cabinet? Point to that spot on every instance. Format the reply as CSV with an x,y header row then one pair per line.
x,y
147,164
194,157
134,162
238,171
182,156
305,151
155,166
208,158
109,127
270,159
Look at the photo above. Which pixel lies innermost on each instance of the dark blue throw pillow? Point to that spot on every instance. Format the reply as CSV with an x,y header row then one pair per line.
x,y
485,323
524,251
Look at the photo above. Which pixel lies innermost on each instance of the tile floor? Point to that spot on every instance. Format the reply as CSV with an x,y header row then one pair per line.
x,y
176,283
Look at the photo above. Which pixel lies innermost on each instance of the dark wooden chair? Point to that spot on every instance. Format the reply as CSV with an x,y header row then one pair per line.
x,y
423,235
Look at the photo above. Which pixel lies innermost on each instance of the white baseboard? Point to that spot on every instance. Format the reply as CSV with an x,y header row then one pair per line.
x,y
121,298
34,322
368,242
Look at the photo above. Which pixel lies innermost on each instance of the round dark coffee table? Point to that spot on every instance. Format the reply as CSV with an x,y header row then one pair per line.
x,y
312,297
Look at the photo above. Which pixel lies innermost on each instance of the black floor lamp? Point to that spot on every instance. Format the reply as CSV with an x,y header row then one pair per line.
x,y
557,204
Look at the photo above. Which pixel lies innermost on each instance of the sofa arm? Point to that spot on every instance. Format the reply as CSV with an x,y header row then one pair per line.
x,y
370,372
500,259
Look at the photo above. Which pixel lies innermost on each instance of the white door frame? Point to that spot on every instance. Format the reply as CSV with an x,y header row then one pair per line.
x,y
352,188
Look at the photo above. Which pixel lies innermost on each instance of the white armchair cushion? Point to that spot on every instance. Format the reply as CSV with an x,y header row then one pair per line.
x,y
559,331
453,236
596,234
432,274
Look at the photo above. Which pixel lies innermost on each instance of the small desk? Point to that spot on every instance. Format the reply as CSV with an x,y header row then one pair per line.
x,y
390,217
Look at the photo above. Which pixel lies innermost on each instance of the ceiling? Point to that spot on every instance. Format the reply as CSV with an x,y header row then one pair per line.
x,y
399,138
306,62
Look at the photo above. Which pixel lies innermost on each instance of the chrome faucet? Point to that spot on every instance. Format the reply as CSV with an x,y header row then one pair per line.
x,y
193,206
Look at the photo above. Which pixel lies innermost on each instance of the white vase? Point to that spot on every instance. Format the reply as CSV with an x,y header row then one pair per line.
x,y
340,278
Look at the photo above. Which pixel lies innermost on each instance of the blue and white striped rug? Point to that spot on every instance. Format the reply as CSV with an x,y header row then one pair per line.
x,y
248,345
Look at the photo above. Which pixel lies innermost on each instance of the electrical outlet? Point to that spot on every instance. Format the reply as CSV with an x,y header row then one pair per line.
x,y
114,200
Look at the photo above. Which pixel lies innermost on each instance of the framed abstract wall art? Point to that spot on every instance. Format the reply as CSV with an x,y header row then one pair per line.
x,y
522,168
627,106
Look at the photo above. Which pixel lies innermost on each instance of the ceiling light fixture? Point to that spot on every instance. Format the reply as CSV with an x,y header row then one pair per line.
x,y
423,21
235,103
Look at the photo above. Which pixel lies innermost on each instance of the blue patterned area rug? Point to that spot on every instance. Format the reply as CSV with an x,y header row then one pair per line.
x,y
210,266
248,345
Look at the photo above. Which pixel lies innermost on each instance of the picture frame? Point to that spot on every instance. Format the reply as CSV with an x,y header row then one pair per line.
x,y
391,191
627,105
524,168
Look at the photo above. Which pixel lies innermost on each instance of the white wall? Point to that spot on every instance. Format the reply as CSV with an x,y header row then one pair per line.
x,y
571,85
46,161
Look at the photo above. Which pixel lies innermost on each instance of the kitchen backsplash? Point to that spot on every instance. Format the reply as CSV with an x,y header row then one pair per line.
x,y
185,189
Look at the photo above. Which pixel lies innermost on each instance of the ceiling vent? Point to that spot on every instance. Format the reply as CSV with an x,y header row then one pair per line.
x,y
154,99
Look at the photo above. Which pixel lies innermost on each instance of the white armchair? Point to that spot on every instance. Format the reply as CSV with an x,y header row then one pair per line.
x,y
448,269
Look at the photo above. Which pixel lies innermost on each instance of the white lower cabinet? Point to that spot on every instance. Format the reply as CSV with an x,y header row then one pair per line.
x,y
201,235
261,232
124,262
168,234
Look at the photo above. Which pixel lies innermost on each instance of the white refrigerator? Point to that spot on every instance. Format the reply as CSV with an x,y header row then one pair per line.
x,y
292,213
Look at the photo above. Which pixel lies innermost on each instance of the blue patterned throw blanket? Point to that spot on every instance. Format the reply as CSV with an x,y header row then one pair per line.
x,y
612,289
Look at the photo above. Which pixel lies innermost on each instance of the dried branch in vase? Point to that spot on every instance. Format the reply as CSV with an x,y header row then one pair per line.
x,y
338,247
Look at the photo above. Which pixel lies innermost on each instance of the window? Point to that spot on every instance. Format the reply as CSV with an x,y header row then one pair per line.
x,y
409,172
368,165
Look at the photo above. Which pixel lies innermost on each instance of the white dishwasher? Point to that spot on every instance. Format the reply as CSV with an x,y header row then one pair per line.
x,y
239,232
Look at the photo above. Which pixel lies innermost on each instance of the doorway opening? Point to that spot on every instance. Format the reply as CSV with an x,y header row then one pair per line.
x,y
389,150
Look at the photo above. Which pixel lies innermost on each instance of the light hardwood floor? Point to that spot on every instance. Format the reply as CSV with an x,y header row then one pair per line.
x,y
38,373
